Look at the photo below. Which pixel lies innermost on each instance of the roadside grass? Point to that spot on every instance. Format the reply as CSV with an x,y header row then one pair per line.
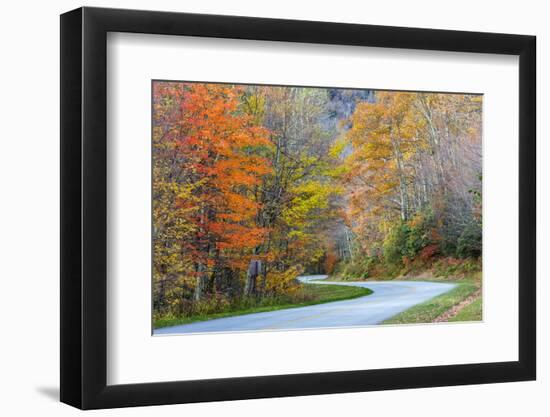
x,y
428,311
472,312
308,294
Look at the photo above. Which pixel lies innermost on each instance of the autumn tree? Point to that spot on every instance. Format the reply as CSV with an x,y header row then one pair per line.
x,y
296,195
207,163
412,172
305,180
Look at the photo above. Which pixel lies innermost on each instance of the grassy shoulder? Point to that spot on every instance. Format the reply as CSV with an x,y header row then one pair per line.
x,y
472,312
428,311
308,294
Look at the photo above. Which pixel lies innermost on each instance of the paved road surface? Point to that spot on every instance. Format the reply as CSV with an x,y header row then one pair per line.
x,y
389,298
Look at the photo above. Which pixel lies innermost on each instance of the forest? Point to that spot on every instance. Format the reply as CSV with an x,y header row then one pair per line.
x,y
255,185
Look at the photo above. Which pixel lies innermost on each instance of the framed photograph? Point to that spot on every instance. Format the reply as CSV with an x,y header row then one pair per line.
x,y
259,208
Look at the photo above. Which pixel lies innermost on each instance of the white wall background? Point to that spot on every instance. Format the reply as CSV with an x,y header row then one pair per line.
x,y
29,225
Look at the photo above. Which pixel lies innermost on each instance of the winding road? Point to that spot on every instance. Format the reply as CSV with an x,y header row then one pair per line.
x,y
388,299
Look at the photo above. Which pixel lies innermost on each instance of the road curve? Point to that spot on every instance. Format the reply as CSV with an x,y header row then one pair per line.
x,y
389,298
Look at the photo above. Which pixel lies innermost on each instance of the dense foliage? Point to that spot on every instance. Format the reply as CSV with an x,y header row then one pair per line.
x,y
351,182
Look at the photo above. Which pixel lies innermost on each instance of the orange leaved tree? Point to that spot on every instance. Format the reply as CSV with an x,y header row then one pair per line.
x,y
215,162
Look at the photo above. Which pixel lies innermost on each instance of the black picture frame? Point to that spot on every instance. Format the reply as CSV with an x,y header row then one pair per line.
x,y
84,207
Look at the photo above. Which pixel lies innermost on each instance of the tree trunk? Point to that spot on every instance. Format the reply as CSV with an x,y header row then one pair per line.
x,y
201,282
250,283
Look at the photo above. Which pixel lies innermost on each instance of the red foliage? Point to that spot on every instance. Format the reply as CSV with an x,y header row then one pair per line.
x,y
330,262
215,147
428,252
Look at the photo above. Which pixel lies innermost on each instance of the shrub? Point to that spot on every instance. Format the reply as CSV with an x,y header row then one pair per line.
x,y
330,262
406,239
395,243
358,268
428,252
469,243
